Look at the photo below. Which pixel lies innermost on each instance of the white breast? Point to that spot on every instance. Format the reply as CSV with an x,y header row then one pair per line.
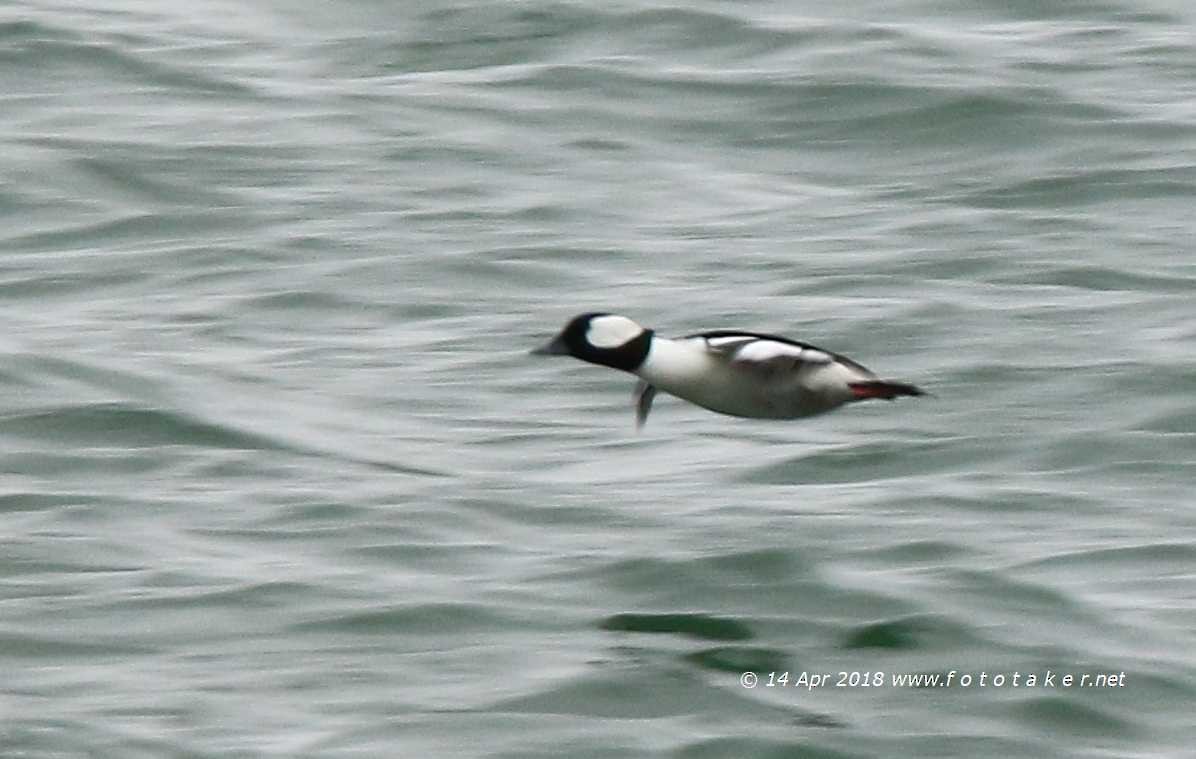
x,y
679,367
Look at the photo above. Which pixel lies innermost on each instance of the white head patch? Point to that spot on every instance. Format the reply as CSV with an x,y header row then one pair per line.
x,y
611,331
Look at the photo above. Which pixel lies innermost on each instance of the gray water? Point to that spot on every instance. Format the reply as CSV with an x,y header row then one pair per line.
x,y
278,477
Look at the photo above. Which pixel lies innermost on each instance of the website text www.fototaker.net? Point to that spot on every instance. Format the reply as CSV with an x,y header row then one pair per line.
x,y
950,679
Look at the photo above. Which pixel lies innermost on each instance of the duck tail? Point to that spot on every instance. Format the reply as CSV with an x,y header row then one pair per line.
x,y
883,389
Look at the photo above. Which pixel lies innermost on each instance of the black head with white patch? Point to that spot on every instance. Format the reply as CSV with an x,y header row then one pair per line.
x,y
604,339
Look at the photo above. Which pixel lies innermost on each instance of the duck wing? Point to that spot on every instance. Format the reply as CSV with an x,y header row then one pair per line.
x,y
771,355
643,396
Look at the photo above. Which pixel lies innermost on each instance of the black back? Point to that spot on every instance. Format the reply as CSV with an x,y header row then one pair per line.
x,y
778,339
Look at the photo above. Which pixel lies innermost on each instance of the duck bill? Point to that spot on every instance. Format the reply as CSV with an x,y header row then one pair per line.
x,y
554,347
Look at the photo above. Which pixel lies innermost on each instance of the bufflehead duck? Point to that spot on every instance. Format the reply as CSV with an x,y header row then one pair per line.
x,y
738,373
